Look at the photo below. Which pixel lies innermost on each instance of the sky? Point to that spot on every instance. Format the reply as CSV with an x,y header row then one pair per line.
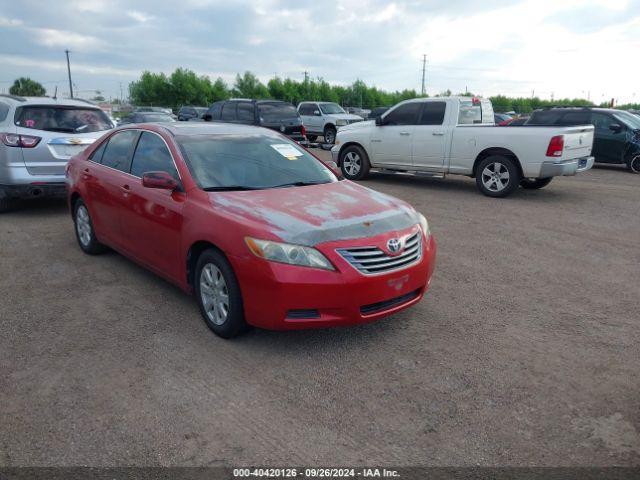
x,y
550,49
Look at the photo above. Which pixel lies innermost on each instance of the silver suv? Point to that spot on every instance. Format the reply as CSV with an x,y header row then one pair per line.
x,y
324,118
38,135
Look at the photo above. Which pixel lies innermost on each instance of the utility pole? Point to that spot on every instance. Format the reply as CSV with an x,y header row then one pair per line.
x,y
424,68
306,76
121,98
69,72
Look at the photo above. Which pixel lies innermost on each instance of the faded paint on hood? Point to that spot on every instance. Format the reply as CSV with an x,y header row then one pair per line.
x,y
316,214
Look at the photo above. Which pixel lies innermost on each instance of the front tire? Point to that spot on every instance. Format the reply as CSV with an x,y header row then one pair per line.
x,y
84,230
218,295
497,176
535,183
330,134
634,164
354,163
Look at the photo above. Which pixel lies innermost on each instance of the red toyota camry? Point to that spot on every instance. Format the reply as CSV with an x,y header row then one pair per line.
x,y
261,231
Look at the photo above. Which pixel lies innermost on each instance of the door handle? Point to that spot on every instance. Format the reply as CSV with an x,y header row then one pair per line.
x,y
126,190
404,134
437,134
85,174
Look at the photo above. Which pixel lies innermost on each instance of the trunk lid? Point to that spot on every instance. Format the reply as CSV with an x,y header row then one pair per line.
x,y
578,142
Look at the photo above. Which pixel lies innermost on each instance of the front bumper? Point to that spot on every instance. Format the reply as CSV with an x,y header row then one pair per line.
x,y
335,153
283,297
569,167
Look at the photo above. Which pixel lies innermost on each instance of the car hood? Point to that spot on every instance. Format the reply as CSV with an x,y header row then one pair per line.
x,y
357,126
344,116
316,214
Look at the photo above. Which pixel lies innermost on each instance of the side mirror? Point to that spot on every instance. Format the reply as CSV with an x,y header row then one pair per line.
x,y
615,127
161,180
207,117
316,113
379,121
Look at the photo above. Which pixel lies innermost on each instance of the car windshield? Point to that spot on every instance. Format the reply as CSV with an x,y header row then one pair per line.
x,y
56,118
331,108
270,112
632,121
156,117
248,162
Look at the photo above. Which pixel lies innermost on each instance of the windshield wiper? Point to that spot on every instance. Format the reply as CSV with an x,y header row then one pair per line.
x,y
298,184
228,188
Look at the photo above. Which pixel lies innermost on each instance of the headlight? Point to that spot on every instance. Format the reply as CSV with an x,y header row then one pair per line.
x,y
341,122
287,253
424,225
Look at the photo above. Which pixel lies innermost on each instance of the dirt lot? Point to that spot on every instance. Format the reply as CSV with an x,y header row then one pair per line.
x,y
525,351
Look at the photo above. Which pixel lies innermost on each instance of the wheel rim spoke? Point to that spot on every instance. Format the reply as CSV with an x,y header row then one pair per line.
x,y
214,293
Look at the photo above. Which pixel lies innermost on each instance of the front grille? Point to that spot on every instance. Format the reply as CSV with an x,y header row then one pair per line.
x,y
372,260
388,304
303,314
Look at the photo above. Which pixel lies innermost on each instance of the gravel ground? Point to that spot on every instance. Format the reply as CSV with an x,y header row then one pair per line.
x,y
525,351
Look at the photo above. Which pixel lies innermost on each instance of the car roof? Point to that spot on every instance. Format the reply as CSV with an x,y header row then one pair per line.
x,y
204,128
65,102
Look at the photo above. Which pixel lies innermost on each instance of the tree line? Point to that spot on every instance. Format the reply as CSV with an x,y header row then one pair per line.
x,y
185,87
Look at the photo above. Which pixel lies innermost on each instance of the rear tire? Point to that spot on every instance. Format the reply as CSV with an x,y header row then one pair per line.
x,y
329,134
497,176
84,230
312,138
634,164
218,295
535,183
354,163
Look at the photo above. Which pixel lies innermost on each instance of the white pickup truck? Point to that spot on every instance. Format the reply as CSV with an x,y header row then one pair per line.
x,y
457,135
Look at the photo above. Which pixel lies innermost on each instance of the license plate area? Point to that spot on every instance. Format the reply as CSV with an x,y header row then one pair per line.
x,y
582,163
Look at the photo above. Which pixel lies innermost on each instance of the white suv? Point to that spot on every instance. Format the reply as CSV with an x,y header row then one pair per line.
x,y
38,135
324,119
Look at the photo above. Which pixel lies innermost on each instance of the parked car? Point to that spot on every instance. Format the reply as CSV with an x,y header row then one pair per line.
x,y
361,112
261,231
439,136
516,122
38,135
165,110
146,117
324,119
273,114
617,132
502,119
377,112
187,113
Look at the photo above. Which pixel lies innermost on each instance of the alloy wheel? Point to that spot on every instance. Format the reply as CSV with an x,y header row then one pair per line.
x,y
214,294
634,165
83,225
352,163
495,177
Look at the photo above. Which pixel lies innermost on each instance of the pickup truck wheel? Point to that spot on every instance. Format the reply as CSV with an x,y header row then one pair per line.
x,y
84,230
354,163
329,134
312,138
497,176
634,164
535,183
218,295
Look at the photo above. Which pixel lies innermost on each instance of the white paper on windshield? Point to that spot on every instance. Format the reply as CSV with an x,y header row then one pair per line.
x,y
287,151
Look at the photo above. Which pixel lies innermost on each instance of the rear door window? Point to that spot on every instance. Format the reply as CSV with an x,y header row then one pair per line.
x,y
433,113
118,151
406,114
574,118
470,112
152,155
245,112
216,110
229,112
96,156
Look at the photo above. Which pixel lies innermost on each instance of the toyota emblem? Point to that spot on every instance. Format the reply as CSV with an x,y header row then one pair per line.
x,y
394,245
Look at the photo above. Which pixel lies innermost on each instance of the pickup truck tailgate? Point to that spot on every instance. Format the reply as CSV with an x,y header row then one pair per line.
x,y
578,142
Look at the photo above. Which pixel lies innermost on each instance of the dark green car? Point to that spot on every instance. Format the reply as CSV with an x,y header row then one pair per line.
x,y
616,135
